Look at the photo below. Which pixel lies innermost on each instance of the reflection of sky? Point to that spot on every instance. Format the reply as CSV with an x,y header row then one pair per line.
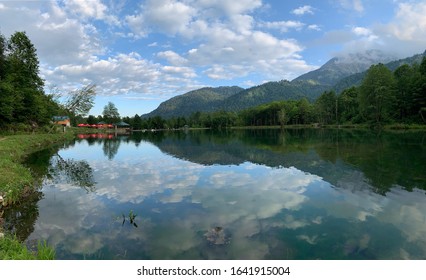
x,y
177,202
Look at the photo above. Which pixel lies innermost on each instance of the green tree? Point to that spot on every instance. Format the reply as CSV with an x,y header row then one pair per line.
x,y
304,111
377,95
91,119
282,117
3,47
31,105
419,95
110,113
326,107
6,90
404,76
348,105
80,101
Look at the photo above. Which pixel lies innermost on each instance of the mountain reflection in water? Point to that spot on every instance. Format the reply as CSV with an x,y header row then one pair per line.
x,y
294,194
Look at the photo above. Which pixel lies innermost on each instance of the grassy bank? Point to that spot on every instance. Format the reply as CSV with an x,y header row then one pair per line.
x,y
12,249
15,179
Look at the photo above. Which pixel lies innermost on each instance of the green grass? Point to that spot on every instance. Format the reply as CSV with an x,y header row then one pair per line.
x,y
15,179
12,249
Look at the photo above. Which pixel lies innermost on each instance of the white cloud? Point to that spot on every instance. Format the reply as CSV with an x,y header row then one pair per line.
x,y
225,42
355,5
228,7
283,26
172,57
225,46
93,8
116,75
404,35
410,22
314,27
303,10
58,38
166,16
361,31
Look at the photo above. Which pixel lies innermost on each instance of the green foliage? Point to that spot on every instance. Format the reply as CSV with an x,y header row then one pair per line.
x,y
204,99
377,95
348,106
326,107
80,101
273,91
110,113
12,249
22,99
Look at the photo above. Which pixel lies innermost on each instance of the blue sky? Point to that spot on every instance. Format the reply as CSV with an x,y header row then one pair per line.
x,y
141,53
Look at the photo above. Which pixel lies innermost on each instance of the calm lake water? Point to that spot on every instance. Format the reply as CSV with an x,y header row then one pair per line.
x,y
239,194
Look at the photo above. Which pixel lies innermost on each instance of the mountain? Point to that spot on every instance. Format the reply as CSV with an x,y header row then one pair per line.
x,y
345,65
337,74
273,91
356,79
204,100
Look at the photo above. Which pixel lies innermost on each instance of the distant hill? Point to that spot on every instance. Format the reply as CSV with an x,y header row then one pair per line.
x,y
337,74
273,91
204,100
342,66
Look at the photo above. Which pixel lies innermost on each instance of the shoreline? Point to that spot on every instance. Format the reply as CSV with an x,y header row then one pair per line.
x,y
16,180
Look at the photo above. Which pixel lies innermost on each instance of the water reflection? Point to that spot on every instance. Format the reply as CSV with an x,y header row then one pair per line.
x,y
301,194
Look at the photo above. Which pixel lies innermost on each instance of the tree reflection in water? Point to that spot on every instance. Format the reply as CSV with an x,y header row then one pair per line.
x,y
76,172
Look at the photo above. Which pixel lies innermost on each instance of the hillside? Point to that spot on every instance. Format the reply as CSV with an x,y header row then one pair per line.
x,y
204,100
273,91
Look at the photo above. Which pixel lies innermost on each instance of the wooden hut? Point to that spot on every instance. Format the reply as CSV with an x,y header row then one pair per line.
x,y
62,120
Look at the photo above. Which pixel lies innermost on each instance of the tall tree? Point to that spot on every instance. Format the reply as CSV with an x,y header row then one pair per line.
x,y
377,95
110,113
24,81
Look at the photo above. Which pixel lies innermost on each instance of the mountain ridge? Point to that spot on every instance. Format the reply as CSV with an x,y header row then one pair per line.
x,y
335,75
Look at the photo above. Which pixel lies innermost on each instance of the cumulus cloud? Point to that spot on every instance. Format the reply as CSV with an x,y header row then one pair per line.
x,y
404,34
93,8
172,57
410,22
227,41
303,10
227,46
166,16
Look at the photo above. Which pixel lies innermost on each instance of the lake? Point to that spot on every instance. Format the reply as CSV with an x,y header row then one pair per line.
x,y
236,194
